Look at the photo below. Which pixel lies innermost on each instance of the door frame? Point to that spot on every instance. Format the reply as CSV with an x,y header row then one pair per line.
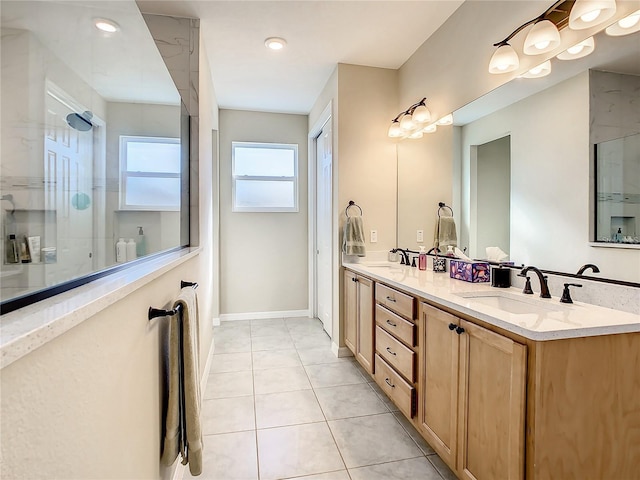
x,y
314,131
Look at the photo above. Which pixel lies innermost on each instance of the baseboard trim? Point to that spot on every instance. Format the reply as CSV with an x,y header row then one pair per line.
x,y
227,317
340,352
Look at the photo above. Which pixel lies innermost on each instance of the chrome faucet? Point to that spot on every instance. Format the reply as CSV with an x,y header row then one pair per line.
x,y
544,288
587,267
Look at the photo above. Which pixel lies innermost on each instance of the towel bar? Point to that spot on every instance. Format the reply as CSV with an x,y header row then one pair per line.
x,y
157,312
442,205
352,204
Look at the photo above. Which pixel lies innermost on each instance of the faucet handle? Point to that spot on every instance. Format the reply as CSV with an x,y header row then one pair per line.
x,y
527,290
566,295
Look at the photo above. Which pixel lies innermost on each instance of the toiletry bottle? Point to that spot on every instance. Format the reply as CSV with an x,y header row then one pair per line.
x,y
131,250
618,235
13,254
121,251
422,259
25,256
141,247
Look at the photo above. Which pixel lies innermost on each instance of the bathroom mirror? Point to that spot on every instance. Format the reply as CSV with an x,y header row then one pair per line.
x,y
91,143
552,124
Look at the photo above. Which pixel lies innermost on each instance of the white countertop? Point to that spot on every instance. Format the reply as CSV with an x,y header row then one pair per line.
x,y
28,328
545,318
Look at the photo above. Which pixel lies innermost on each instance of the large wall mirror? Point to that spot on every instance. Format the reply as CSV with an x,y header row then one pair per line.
x,y
93,142
524,168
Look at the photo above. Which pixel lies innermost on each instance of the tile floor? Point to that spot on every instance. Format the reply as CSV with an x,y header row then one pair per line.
x,y
279,405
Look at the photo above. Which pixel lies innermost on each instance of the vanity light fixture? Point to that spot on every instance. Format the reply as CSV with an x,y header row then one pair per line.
x,y
538,71
275,43
625,26
579,50
430,128
446,120
542,38
407,121
587,13
417,134
105,25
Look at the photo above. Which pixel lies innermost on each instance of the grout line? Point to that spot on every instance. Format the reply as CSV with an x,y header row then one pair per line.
x,y
255,413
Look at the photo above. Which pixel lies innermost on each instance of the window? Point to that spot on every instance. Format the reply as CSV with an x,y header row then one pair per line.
x,y
149,173
265,177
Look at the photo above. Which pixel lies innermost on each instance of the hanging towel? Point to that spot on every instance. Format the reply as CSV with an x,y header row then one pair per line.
x,y
445,232
353,238
183,428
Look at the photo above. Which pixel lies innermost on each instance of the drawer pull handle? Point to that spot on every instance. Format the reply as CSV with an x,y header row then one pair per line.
x,y
391,352
391,299
389,383
452,326
391,323
459,330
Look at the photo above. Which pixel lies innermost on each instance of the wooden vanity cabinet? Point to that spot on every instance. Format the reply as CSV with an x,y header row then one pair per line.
x,y
472,395
358,318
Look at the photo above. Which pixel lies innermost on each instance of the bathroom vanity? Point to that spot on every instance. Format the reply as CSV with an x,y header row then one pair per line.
x,y
502,385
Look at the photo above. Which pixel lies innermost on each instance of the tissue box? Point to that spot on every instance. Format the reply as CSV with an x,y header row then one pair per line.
x,y
475,272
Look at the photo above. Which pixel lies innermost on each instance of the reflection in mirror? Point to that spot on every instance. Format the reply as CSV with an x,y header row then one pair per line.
x,y
552,123
91,140
618,190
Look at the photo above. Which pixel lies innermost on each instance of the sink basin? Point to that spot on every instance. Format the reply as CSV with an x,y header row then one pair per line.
x,y
510,303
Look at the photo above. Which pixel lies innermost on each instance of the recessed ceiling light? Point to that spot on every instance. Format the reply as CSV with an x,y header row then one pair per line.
x,y
275,43
106,25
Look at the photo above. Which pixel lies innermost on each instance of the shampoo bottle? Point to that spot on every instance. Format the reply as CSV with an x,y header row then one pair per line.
x,y
121,251
618,236
422,259
13,253
141,247
131,250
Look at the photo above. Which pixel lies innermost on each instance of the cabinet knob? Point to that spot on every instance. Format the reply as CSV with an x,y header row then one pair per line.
x,y
452,326
391,323
389,383
459,330
391,352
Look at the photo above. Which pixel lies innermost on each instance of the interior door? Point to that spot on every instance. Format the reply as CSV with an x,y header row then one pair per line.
x,y
323,227
68,166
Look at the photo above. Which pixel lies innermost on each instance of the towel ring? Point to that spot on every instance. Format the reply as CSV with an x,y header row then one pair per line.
x,y
443,205
352,204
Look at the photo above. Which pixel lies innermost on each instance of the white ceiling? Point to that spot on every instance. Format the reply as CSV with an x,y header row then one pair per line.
x,y
320,34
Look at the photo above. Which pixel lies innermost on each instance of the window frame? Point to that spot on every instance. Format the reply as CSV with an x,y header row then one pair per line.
x,y
292,179
124,174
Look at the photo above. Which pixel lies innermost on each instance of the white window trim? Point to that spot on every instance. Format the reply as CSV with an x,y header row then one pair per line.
x,y
293,179
124,174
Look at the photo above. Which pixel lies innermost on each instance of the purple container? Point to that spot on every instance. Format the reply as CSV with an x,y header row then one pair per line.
x,y
475,272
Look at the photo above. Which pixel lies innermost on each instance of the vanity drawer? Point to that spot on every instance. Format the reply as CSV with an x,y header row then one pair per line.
x,y
399,302
397,355
399,391
396,325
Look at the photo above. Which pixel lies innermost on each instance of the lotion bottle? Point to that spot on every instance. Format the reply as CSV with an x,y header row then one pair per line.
x,y
13,252
121,251
422,259
141,247
131,250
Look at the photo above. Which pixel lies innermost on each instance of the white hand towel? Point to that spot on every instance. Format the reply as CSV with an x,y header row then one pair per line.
x,y
353,237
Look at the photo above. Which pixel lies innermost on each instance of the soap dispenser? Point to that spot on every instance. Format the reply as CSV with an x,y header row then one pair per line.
x,y
121,251
131,250
422,259
141,247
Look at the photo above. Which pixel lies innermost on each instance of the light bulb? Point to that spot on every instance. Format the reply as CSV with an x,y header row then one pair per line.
x,y
394,130
446,120
504,59
542,45
578,50
630,21
421,114
106,25
625,26
430,128
575,49
538,71
275,43
417,134
407,123
590,16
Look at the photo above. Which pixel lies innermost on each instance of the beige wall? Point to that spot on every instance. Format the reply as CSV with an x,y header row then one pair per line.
x,y
263,256
87,405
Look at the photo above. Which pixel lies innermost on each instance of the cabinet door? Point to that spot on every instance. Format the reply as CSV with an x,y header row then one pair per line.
x,y
438,381
365,325
350,310
491,405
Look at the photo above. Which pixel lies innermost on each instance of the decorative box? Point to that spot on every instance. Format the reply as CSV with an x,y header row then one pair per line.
x,y
475,272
